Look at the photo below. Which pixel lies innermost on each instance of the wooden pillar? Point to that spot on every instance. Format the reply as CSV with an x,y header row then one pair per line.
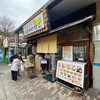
x,y
90,69
88,29
88,65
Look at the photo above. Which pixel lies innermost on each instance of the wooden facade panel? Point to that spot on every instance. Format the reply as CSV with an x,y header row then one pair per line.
x,y
59,38
70,36
84,34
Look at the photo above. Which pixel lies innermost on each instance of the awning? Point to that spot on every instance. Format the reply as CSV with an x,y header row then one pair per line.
x,y
64,27
71,24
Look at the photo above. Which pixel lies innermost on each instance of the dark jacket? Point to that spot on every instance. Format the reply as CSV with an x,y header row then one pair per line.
x,y
14,57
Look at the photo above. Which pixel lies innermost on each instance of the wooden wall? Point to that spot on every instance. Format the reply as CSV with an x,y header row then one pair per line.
x,y
74,35
71,36
84,34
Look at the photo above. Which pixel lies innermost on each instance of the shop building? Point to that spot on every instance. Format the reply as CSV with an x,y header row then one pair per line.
x,y
67,31
7,49
96,41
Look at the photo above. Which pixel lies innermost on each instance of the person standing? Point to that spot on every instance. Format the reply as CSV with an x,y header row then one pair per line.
x,y
14,68
14,57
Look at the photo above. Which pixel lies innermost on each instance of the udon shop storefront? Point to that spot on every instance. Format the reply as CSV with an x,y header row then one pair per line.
x,y
69,46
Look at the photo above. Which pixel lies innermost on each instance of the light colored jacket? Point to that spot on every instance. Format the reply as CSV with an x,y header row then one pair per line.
x,y
16,64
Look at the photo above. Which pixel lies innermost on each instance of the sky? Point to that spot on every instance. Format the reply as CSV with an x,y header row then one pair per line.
x,y
20,10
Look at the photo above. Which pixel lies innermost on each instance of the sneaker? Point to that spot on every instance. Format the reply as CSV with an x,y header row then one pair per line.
x,y
9,64
14,81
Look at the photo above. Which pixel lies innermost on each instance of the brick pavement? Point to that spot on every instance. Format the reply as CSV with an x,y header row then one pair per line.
x,y
40,89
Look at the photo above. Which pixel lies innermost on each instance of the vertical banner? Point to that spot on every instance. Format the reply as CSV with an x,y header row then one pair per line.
x,y
5,42
67,52
1,52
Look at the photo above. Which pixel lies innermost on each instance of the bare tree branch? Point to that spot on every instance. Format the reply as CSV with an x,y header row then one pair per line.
x,y
6,35
6,25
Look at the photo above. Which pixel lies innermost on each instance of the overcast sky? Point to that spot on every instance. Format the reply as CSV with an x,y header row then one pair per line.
x,y
20,10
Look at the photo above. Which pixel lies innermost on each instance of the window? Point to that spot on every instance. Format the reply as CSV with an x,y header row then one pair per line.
x,y
96,32
79,53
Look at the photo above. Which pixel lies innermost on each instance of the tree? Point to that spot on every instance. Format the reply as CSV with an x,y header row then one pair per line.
x,y
6,26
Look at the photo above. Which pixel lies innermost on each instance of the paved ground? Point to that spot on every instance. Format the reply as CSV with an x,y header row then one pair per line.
x,y
37,88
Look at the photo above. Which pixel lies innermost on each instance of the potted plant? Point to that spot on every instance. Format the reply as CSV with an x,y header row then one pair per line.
x,y
77,90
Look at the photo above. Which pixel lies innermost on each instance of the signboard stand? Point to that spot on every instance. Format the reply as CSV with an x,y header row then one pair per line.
x,y
70,86
71,82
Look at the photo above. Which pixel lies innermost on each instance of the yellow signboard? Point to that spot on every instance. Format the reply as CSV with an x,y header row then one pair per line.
x,y
67,49
37,22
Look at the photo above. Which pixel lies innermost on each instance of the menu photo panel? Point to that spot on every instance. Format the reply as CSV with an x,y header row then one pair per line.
x,y
71,72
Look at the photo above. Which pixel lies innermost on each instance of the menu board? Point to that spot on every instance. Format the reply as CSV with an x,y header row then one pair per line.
x,y
28,64
43,61
72,72
67,52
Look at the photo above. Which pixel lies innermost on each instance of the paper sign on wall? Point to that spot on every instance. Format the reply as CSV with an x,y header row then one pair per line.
x,y
67,52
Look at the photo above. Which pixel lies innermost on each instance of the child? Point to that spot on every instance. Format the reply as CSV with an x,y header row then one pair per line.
x,y
14,68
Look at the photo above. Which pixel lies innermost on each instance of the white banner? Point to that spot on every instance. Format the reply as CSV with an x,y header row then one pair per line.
x,y
14,44
5,42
